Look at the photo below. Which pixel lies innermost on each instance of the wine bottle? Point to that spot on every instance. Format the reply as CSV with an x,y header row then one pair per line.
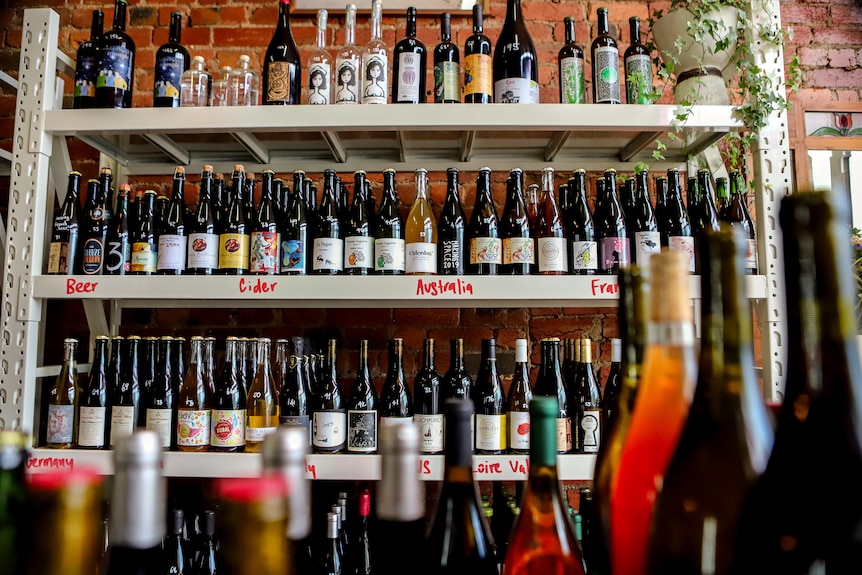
x,y
249,212
532,201
447,65
570,64
580,230
205,560
93,231
589,402
483,231
606,63
519,254
667,382
118,249
520,396
549,382
265,239
738,216
361,563
122,416
160,212
362,410
296,230
409,65
389,230
478,65
94,400
638,67
174,556
179,368
457,383
294,395
282,67
451,228
428,413
162,401
116,72
234,235
458,538
709,211
229,405
542,539
628,199
348,63
194,404
550,231
610,226
516,67
143,237
328,255
172,59
396,404
375,62
202,256
571,362
63,247
722,198
320,67
328,416
661,206
262,401
173,233
331,562
87,65
358,243
694,208
677,223
647,238
613,383
63,401
490,404
420,232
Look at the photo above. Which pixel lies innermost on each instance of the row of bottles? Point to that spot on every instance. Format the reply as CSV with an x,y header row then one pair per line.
x,y
104,75
287,232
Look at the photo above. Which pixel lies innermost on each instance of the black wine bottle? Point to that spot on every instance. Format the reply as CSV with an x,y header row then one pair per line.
x,y
94,231
738,216
447,65
143,237
549,382
328,254
294,395
570,64
519,246
427,403
584,251
234,236
483,234
358,243
172,59
92,410
396,404
638,67
87,65
63,248
457,383
489,404
516,67
119,249
265,239
676,222
328,413
478,79
589,402
115,81
647,239
173,233
363,416
389,254
409,65
229,404
282,66
296,232
162,406
606,63
202,258
661,207
451,229
611,230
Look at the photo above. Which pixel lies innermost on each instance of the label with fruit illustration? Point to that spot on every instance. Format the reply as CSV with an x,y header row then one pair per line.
x,y
193,427
519,430
358,252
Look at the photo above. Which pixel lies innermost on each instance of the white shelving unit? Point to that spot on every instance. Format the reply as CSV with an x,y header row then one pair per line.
x,y
150,141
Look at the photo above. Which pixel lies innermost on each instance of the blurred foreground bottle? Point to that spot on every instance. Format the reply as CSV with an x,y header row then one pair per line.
x,y
13,496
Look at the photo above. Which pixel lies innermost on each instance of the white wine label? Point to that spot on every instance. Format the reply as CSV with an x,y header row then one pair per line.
x,y
490,432
751,255
606,75
319,84
389,254
328,428
552,255
519,430
646,244
516,91
61,423
564,434
430,432
591,427
278,88
477,74
639,79
684,245
143,257
257,434
486,251
228,427
263,255
447,82
328,254
408,77
572,81
614,253
193,427
347,80
203,251
122,422
586,255
233,252
160,420
375,84
91,427
362,431
421,258
519,251
172,252
390,421
358,252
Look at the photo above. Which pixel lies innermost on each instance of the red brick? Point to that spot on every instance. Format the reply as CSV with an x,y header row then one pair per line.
x,y
815,94
430,317
838,36
141,36
842,58
813,56
268,15
233,14
844,14
847,95
204,16
803,13
240,36
360,317
829,78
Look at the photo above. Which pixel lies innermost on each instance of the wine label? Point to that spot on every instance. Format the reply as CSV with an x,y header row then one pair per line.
x,y
450,257
639,79
233,252
586,256
143,257
490,432
61,423
91,426
477,75
169,75
122,422
359,252
328,254
552,255
319,84
519,251
409,75
301,421
606,75
486,251
329,429
172,252
93,256
430,432
203,251
684,245
516,91
278,86
390,421
751,255
591,430
86,70
519,430
58,257
614,253
193,427
421,258
572,81
564,434
447,82
361,431
117,256
347,80
375,84
389,254
115,68
293,256
228,427
257,434
160,421
263,256
646,244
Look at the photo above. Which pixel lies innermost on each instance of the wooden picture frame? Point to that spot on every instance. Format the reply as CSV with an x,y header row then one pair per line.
x,y
393,7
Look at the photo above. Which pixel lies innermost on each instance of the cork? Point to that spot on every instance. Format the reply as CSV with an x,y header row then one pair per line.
x,y
670,288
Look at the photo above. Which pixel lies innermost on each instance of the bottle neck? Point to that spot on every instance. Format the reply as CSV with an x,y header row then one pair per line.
x,y
478,23
483,187
550,360
376,21
411,25
390,193
196,358
350,27
513,10
421,183
446,28
428,357
283,17
603,22
321,29
396,359
570,31
98,25
452,186
120,16
456,355
635,30
459,450
176,28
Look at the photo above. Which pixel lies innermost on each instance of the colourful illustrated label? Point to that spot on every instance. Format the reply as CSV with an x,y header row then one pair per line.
x,y
61,423
408,77
203,251
389,254
93,256
319,84
358,252
233,252
115,68
193,427
685,246
292,257
586,255
572,80
486,251
447,82
278,86
347,81
519,251
477,75
519,430
263,258
228,427
639,79
375,84
86,71
143,257
169,76
614,253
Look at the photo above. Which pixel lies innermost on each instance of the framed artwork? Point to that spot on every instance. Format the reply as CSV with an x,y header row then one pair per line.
x,y
424,7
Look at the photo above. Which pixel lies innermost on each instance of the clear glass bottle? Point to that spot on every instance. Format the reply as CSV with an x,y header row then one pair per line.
x,y
244,84
348,63
63,402
421,231
375,61
194,409
221,87
196,85
320,67
262,402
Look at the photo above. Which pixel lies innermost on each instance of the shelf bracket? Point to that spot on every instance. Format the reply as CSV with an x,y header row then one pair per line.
x,y
339,154
65,65
10,81
556,144
104,146
703,142
467,142
253,146
97,320
60,166
638,145
402,148
177,153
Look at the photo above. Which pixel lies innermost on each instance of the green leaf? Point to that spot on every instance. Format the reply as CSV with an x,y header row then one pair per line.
x,y
826,131
855,132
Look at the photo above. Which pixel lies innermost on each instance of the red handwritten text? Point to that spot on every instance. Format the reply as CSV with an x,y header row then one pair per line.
x,y
256,286
312,469
489,468
50,463
442,287
521,466
73,287
602,287
424,467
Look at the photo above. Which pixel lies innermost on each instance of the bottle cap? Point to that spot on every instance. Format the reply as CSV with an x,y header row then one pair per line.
x,y
401,494
521,355
616,350
671,303
332,520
